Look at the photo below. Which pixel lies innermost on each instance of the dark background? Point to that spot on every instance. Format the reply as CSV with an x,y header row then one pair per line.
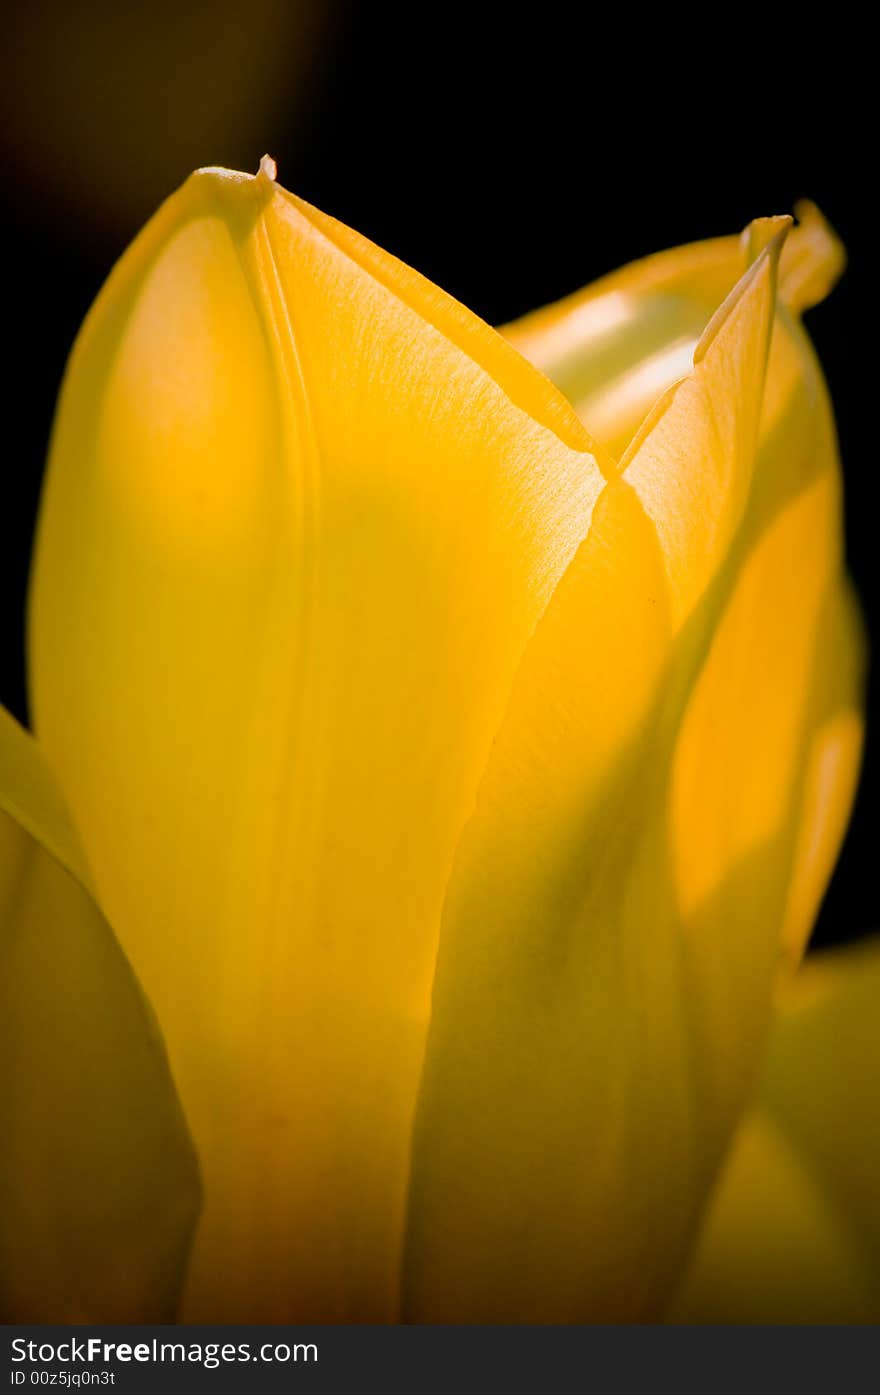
x,y
510,156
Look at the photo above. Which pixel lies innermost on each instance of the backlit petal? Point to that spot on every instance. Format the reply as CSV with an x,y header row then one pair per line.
x,y
617,345
560,1154
303,515
98,1182
618,909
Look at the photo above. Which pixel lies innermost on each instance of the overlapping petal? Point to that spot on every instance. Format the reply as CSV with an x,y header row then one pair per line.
x,y
303,514
798,449
615,346
99,1189
638,859
793,1233
348,643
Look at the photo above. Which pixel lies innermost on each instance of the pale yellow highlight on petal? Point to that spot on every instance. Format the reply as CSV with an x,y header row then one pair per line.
x,y
594,344
271,708
583,1075
99,1188
528,389
637,388
617,345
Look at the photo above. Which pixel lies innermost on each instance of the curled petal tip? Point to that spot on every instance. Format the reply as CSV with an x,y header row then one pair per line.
x,y
268,168
814,259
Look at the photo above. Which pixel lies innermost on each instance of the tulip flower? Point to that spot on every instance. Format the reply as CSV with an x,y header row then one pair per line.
x,y
460,785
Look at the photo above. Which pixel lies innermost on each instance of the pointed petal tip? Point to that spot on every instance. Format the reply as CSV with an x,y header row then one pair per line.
x,y
763,233
268,169
238,197
764,239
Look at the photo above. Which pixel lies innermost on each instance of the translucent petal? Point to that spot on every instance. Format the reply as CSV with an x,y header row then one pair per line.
x,y
98,1182
557,1038
615,919
617,345
303,514
614,347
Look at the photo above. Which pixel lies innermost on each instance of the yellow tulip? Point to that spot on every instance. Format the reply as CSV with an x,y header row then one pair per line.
x,y
461,790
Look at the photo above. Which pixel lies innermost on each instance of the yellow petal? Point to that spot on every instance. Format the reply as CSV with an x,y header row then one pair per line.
x,y
616,346
614,923
793,1232
775,721
812,262
692,461
740,744
303,514
553,1170
833,758
98,1181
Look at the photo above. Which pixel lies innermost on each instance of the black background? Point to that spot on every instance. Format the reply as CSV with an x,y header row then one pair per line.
x,y
509,155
